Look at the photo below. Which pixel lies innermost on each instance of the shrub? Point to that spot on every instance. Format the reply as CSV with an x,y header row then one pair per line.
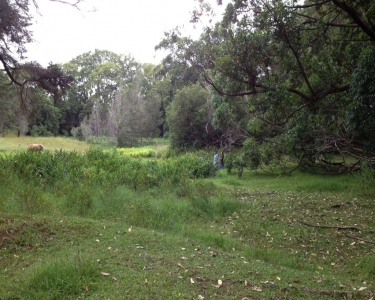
x,y
77,133
40,131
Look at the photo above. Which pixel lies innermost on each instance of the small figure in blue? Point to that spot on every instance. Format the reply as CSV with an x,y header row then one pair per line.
x,y
221,160
216,158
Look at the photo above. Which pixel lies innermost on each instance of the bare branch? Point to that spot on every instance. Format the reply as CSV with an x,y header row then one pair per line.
x,y
334,227
74,4
358,238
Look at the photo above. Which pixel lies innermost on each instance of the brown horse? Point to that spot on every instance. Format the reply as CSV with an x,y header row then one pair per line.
x,y
35,147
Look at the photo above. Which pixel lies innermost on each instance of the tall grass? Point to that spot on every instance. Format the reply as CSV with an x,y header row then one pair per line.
x,y
60,278
78,181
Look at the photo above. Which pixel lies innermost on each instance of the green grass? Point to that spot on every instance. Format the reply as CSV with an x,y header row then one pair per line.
x,y
78,238
14,143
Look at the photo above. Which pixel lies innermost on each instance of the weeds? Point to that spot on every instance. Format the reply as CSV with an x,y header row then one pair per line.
x,y
61,279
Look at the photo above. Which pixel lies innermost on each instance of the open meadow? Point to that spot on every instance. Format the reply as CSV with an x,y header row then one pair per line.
x,y
14,143
78,222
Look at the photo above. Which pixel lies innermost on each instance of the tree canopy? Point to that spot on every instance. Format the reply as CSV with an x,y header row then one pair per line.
x,y
15,20
28,77
300,68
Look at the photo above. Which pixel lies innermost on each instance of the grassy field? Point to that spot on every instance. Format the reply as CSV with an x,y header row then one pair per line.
x,y
14,143
221,237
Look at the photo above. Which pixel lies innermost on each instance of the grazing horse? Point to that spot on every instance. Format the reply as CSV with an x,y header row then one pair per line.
x,y
35,147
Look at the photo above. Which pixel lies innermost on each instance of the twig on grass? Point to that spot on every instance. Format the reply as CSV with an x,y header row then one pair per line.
x,y
349,295
332,226
358,238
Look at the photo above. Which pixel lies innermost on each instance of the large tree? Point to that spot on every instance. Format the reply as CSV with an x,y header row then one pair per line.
x,y
295,64
9,108
15,19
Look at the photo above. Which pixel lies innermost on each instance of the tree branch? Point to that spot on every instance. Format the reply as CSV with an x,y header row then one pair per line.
x,y
9,73
335,227
310,5
360,239
356,18
75,4
210,82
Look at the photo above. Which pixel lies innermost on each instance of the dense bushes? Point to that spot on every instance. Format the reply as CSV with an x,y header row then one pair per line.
x,y
112,168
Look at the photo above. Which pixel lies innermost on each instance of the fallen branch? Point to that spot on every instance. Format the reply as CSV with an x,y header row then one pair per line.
x,y
360,239
334,226
346,294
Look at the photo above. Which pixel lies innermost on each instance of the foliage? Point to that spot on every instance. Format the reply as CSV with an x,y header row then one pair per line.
x,y
98,76
137,152
28,78
367,177
110,168
292,66
134,114
188,118
237,162
295,79
8,105
169,77
113,96
39,131
361,113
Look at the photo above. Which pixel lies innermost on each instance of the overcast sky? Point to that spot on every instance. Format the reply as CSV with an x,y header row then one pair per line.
x,y
133,27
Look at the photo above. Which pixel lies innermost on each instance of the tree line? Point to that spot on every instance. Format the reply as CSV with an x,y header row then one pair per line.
x,y
283,80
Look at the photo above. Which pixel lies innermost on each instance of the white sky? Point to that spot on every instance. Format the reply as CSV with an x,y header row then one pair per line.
x,y
133,27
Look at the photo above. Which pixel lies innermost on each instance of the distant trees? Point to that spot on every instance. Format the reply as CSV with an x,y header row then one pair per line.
x,y
113,96
90,90
97,77
133,115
